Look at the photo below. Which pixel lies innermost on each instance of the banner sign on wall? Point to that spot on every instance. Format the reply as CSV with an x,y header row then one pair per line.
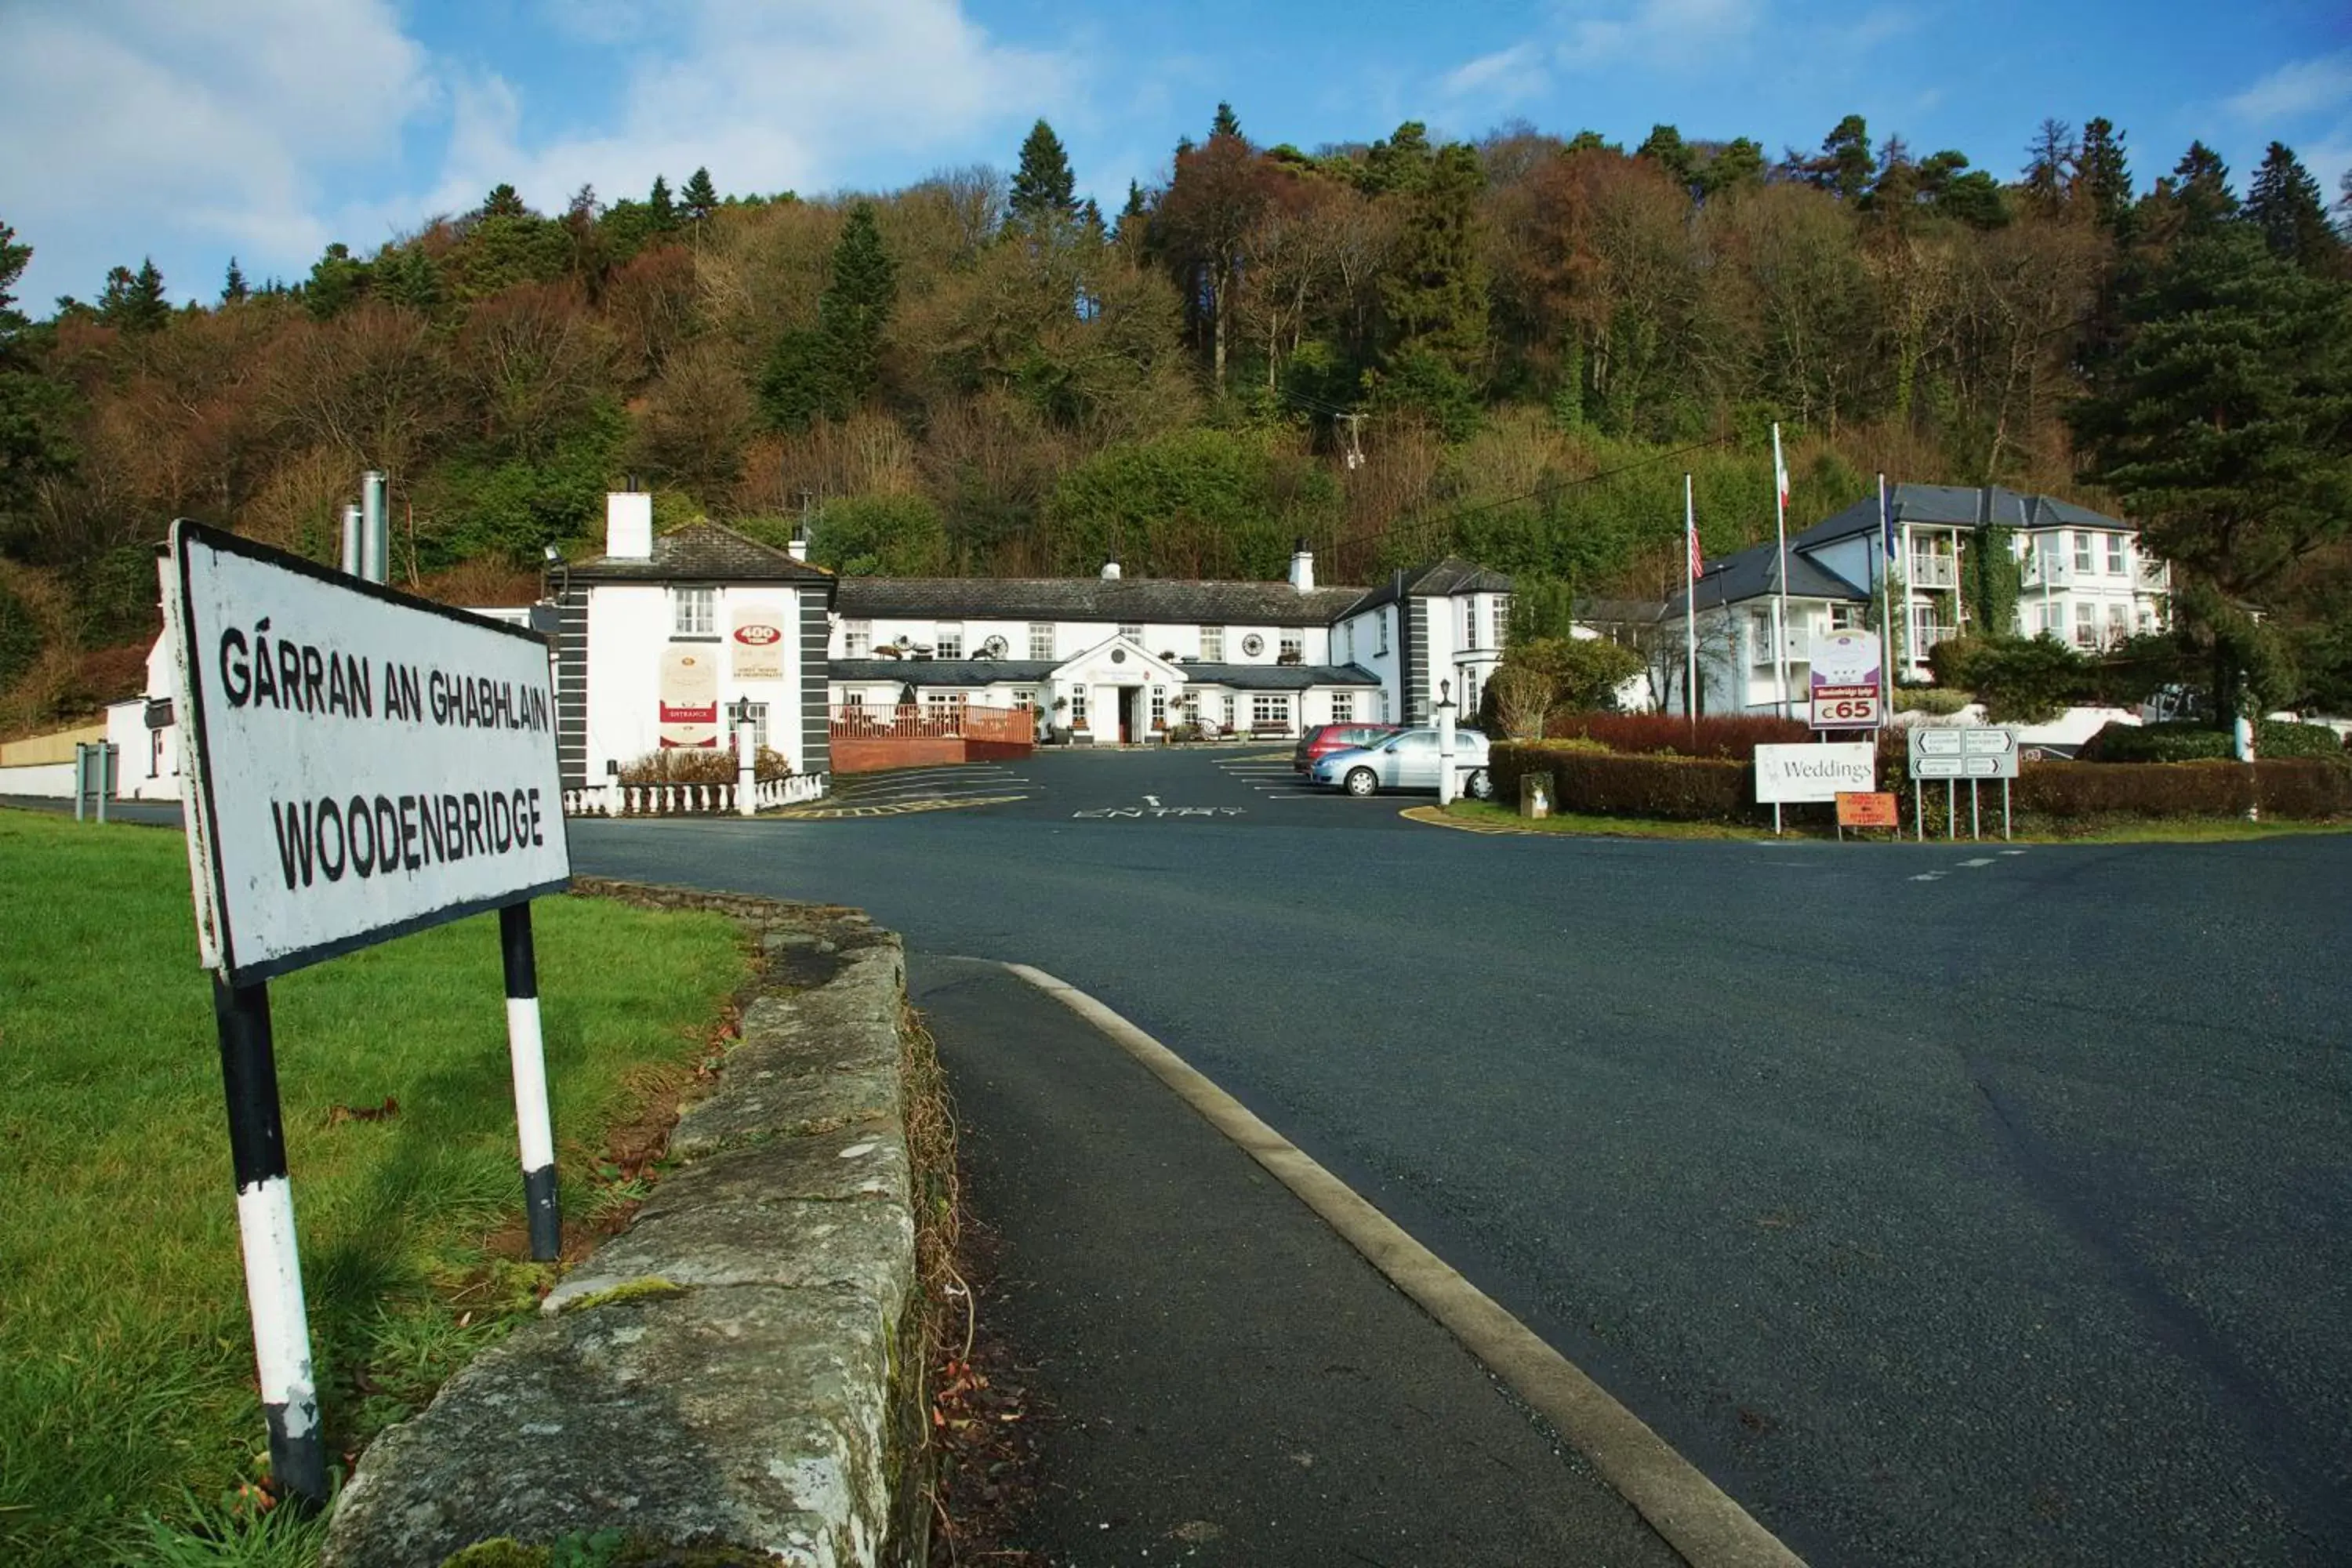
x,y
362,764
689,695
759,642
1844,681
1788,774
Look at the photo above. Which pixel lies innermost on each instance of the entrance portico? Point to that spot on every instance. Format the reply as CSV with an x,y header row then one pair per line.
x,y
1114,693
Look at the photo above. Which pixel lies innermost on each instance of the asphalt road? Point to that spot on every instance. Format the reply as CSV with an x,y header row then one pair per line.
x,y
1995,1217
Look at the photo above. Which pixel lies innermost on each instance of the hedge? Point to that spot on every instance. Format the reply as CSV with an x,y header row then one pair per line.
x,y
1735,736
2291,787
2186,741
1610,784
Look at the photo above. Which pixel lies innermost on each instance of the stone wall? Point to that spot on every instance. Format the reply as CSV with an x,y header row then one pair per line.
x,y
742,1367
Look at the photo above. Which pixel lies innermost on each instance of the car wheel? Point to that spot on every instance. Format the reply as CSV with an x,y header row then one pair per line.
x,y
1362,782
1478,786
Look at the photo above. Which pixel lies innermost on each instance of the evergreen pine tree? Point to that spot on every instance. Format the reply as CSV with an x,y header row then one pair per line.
x,y
233,288
2284,204
831,371
700,197
2200,190
2050,163
32,415
1845,167
665,211
1435,293
1666,147
1043,186
134,301
2103,177
503,202
1224,122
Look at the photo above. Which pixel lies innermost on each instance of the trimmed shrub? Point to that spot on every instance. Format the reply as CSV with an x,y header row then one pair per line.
x,y
1936,699
1610,784
2186,741
2294,787
1727,736
700,765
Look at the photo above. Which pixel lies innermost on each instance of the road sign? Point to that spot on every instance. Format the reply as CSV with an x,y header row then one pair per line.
x,y
364,763
1796,773
1843,677
1964,754
1859,809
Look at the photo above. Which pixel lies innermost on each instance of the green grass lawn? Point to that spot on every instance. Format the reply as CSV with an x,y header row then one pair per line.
x,y
2109,830
128,1408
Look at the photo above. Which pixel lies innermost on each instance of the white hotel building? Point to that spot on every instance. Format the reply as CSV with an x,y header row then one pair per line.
x,y
2084,580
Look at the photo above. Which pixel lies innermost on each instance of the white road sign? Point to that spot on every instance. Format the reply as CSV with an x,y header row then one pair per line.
x,y
1963,753
362,764
1792,773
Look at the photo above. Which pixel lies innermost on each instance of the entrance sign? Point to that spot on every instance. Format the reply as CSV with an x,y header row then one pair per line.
x,y
364,763
1964,754
689,695
1844,681
1789,774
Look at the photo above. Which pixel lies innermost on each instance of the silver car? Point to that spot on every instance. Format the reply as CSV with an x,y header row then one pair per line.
x,y
1409,760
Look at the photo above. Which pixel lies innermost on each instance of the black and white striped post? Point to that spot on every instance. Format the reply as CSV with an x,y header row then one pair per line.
x,y
265,1222
526,1047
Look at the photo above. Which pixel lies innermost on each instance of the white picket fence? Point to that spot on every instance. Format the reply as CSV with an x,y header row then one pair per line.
x,y
688,799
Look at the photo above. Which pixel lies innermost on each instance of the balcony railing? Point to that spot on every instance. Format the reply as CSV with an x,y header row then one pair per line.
x,y
1933,572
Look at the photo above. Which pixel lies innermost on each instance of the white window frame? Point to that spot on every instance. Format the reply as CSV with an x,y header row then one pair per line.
x,y
1213,645
947,639
1230,710
1381,619
1132,632
1343,707
857,639
694,612
1269,708
1159,708
1041,641
1469,621
1291,644
1077,706
2087,624
2083,550
2117,564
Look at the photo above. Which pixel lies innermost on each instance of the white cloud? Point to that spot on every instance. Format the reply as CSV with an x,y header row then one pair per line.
x,y
1505,76
268,127
1577,35
210,123
806,97
2296,89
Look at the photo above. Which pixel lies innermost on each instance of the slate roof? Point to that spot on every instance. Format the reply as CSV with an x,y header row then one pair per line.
x,y
1754,573
702,552
1618,612
979,672
1962,506
1134,601
1439,578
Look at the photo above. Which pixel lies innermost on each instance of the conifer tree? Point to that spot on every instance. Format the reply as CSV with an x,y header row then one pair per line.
x,y
1666,147
32,418
664,210
700,197
2284,203
1435,293
2103,177
1226,122
134,301
2200,189
1042,187
830,370
233,288
503,202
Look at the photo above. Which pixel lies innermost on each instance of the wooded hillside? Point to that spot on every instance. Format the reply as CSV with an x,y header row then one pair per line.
x,y
1512,349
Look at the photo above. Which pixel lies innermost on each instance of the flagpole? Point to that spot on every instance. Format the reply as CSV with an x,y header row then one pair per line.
x,y
1885,598
1690,608
1781,608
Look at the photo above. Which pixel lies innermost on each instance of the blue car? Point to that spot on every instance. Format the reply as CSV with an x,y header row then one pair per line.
x,y
1409,760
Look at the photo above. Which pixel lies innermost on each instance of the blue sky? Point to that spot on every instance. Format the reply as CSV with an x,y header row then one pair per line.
x,y
193,129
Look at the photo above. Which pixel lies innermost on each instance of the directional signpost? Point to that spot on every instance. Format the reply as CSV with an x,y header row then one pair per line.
x,y
1953,754
361,764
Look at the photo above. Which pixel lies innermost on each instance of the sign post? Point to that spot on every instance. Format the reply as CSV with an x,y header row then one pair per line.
x,y
1444,743
1813,772
360,764
1975,754
1844,668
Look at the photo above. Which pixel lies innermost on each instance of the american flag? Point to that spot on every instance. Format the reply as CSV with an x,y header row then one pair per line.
x,y
1697,556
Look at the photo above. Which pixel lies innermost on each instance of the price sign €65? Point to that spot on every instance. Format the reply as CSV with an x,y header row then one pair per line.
x,y
1844,681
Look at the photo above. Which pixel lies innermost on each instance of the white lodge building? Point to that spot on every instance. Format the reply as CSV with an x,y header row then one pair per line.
x,y
1115,660
2084,580
658,637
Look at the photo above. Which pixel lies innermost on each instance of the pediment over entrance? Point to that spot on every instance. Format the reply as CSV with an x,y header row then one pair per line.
x,y
1118,662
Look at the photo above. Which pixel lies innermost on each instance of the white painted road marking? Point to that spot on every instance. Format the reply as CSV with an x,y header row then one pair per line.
x,y
1151,800
1928,877
1986,860
1690,1512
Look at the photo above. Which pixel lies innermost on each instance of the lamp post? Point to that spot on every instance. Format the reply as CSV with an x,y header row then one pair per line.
x,y
747,783
1444,743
